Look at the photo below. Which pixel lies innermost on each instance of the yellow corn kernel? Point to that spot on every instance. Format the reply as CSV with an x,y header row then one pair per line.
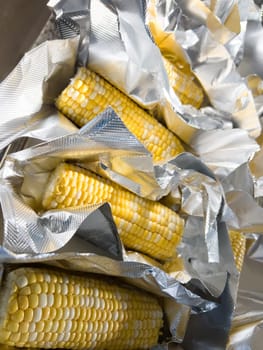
x,y
82,105
133,321
143,225
238,243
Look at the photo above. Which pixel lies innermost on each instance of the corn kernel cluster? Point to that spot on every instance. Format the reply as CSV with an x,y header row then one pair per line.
x,y
238,243
52,309
143,225
88,94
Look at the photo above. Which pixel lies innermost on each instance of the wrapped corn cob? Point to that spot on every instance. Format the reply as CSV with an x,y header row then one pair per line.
x,y
238,243
180,75
184,85
144,225
52,309
89,94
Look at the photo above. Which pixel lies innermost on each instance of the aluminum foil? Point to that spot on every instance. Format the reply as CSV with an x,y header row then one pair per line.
x,y
28,93
246,332
205,38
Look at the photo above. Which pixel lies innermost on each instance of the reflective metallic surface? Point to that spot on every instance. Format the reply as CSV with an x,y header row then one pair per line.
x,y
216,189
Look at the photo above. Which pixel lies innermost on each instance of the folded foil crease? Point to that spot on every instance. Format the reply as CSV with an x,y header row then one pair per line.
x,y
255,251
28,92
248,316
236,45
251,63
223,151
221,18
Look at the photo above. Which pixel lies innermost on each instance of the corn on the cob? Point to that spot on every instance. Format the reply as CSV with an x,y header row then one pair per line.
x,y
184,85
143,225
53,309
238,243
89,94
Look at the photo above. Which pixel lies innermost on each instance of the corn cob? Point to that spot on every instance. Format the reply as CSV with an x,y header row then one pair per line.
x,y
89,94
143,225
238,243
184,85
52,309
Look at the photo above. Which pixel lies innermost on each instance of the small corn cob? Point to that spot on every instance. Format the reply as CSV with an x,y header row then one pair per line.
x,y
143,225
184,85
89,94
238,243
52,309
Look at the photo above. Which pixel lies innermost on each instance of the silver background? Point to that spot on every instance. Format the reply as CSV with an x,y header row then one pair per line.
x,y
21,22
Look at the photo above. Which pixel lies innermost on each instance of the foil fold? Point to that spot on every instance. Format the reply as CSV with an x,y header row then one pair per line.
x,y
27,94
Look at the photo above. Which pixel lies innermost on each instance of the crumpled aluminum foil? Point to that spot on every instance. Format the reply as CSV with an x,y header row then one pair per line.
x,y
207,330
246,332
28,93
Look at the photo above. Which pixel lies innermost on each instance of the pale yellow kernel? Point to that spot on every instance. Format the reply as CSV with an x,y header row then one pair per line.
x,y
25,291
4,334
23,338
40,326
53,313
57,301
55,326
33,300
37,314
32,327
32,337
48,325
18,316
12,327
50,300
28,315
13,306
23,303
14,338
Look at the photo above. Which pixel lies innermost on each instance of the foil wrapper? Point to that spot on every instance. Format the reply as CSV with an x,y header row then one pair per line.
x,y
28,93
246,331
